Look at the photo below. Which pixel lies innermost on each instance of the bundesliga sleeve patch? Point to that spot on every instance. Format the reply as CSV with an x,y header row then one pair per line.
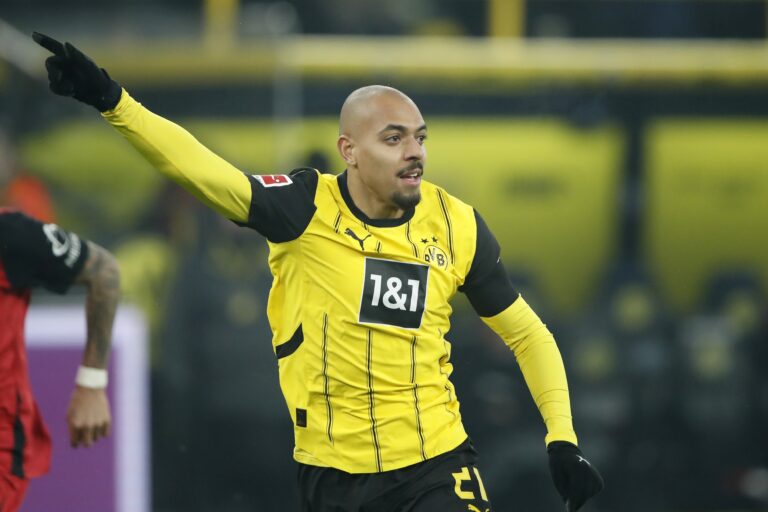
x,y
273,180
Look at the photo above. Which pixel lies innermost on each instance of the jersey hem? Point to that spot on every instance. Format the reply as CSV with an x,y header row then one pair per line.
x,y
446,446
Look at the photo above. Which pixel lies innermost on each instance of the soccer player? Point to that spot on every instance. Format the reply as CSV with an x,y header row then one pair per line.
x,y
364,264
34,254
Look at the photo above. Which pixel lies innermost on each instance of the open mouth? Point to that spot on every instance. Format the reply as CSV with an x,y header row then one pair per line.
x,y
412,176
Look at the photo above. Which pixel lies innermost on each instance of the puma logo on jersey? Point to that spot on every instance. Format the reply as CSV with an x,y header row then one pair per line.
x,y
352,234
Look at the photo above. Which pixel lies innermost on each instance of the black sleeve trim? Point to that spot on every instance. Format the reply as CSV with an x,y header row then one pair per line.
x,y
37,254
282,206
487,285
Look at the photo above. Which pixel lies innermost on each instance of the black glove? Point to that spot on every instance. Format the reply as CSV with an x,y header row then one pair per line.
x,y
575,478
72,73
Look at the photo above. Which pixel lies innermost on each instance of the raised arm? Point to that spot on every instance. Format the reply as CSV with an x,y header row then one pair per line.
x,y
167,146
176,153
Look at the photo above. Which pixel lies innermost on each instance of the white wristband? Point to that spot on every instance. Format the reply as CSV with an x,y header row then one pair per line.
x,y
94,378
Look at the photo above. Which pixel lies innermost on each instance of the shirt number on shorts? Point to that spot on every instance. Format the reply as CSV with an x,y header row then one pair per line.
x,y
464,476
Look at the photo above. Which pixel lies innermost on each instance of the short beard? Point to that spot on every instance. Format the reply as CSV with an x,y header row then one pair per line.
x,y
406,202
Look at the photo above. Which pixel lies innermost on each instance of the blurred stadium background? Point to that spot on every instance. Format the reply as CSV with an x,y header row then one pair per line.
x,y
617,148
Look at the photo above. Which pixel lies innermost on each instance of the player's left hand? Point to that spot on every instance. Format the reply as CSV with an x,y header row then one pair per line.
x,y
88,416
575,478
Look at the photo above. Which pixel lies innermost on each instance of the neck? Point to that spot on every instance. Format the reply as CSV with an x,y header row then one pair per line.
x,y
368,202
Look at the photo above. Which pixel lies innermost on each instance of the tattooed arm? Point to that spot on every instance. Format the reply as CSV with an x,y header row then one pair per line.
x,y
36,254
88,413
101,276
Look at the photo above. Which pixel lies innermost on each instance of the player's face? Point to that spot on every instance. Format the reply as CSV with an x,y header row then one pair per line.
x,y
390,151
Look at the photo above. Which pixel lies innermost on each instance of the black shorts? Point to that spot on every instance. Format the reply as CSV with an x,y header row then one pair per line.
x,y
447,483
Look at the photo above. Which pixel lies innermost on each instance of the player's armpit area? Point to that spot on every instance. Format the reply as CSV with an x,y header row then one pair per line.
x,y
542,366
177,154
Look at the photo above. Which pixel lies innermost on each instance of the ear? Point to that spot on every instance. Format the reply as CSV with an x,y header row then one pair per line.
x,y
346,149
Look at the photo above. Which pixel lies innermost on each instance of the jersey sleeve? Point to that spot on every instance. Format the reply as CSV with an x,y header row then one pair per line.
x,y
539,359
36,254
282,205
487,285
177,154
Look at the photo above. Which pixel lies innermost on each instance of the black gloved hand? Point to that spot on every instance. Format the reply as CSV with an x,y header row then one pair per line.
x,y
72,73
575,478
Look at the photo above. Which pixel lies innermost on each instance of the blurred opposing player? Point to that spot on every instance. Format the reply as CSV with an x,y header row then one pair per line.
x,y
34,254
364,265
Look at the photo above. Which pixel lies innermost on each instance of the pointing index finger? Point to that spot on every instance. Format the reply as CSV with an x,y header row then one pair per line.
x,y
48,43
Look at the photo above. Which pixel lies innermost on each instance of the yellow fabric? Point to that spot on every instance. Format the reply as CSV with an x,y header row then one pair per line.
x,y
377,397
178,155
539,359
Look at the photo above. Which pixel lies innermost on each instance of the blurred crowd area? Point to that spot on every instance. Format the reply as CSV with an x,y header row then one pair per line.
x,y
631,211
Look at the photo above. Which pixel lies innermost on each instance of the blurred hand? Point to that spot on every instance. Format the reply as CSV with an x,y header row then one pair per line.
x,y
72,73
88,416
575,478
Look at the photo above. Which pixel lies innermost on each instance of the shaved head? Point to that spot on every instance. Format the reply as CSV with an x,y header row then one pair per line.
x,y
381,139
360,106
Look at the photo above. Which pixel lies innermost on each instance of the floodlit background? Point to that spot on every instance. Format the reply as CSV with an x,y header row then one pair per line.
x,y
618,149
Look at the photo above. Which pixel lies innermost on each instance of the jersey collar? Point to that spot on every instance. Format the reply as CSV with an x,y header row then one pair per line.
x,y
341,179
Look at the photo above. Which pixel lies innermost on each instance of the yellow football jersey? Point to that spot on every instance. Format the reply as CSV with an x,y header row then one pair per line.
x,y
359,307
